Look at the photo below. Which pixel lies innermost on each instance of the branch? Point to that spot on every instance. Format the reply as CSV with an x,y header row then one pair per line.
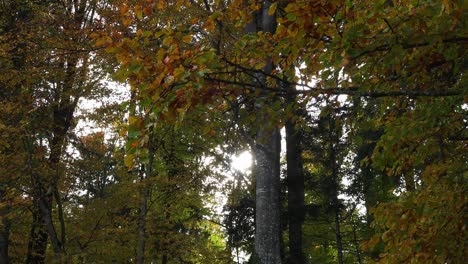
x,y
388,47
313,90
353,91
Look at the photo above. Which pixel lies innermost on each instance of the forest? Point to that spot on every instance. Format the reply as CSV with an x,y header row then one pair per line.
x,y
233,131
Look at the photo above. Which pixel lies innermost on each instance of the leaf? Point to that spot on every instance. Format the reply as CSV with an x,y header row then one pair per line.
x,y
139,12
272,9
168,40
128,161
134,67
291,17
187,38
160,4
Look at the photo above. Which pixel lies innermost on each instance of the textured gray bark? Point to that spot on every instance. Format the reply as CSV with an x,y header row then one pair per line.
x,y
267,167
267,218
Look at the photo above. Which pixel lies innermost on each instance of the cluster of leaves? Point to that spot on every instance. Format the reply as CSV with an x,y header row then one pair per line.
x,y
407,54
48,65
192,71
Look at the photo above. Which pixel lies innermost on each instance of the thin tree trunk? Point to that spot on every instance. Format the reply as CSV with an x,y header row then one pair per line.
x,y
142,228
295,181
339,242
337,210
141,241
333,136
148,173
356,243
367,193
4,240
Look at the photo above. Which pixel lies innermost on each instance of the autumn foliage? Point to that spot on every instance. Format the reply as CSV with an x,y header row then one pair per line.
x,y
374,93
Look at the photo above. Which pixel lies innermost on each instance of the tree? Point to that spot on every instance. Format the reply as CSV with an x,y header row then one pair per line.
x,y
266,147
266,151
412,68
295,181
223,72
52,69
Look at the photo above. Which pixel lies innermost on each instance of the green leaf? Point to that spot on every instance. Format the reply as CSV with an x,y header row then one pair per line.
x,y
291,17
134,67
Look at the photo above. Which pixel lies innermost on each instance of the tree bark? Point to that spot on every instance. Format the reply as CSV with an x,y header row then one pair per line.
x,y
267,213
295,181
356,243
267,164
37,239
339,241
336,203
142,228
334,136
144,204
4,242
147,173
4,236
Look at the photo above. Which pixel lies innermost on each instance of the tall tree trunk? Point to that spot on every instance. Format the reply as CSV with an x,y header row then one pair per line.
x,y
339,241
4,242
267,213
295,181
4,234
142,228
144,203
146,172
42,228
333,136
267,164
37,239
356,243
336,205
367,180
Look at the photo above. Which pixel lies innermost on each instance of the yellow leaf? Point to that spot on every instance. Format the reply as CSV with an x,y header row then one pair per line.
x,y
123,132
139,12
187,38
272,9
160,4
168,41
128,160
135,122
179,71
